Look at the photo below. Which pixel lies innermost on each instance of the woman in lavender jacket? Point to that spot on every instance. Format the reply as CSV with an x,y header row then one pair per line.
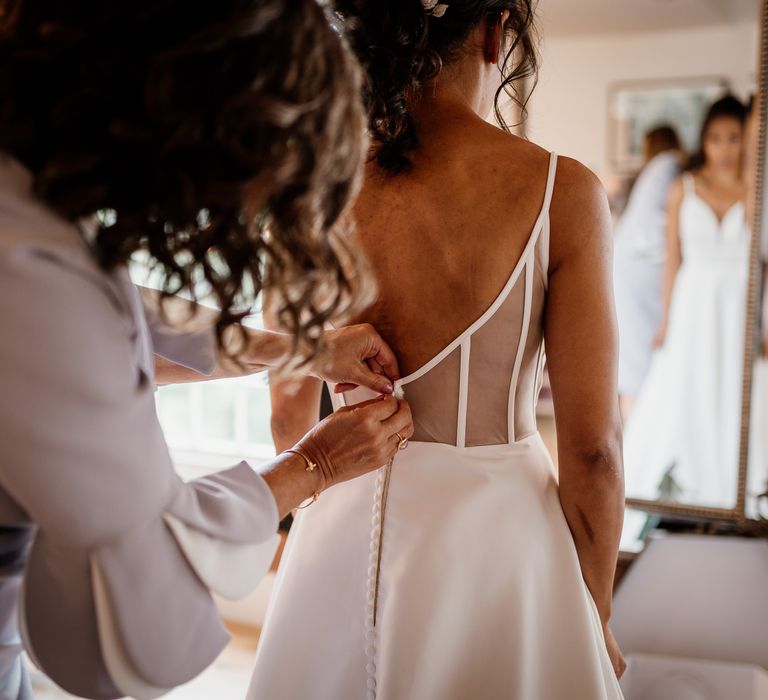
x,y
194,131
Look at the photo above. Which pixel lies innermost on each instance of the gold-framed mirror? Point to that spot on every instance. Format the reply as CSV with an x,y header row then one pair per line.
x,y
750,476
624,82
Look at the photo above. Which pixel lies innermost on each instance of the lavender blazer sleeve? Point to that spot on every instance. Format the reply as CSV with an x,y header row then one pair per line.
x,y
116,596
194,347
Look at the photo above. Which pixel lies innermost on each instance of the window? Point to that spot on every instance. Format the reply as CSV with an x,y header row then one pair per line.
x,y
213,424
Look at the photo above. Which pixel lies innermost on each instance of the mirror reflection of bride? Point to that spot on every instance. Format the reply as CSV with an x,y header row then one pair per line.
x,y
682,438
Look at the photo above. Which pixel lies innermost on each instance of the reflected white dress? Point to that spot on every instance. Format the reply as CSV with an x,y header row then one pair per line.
x,y
686,420
454,575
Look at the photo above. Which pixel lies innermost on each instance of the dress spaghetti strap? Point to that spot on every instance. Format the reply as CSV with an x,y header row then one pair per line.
x,y
689,184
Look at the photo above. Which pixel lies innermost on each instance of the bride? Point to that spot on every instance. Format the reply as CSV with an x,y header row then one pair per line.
x,y
467,567
682,440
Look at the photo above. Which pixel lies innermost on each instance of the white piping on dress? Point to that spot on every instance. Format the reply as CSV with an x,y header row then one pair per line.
x,y
544,238
494,307
461,419
539,378
524,329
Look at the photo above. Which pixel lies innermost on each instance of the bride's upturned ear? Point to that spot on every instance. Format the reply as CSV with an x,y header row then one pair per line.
x,y
494,37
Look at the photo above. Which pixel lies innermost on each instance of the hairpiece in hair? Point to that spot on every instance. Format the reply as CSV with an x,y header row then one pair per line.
x,y
434,8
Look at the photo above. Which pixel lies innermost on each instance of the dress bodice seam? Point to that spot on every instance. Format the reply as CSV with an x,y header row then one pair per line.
x,y
527,257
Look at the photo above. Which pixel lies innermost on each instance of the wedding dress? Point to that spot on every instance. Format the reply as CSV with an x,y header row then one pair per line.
x,y
450,574
682,438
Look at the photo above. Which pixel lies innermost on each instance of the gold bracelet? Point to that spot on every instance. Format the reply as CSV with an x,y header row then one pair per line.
x,y
311,466
310,501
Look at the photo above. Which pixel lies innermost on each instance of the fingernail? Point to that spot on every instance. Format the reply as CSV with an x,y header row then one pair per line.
x,y
389,389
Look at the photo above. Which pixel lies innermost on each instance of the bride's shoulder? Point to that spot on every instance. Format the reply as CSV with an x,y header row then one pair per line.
x,y
532,161
576,186
574,179
579,213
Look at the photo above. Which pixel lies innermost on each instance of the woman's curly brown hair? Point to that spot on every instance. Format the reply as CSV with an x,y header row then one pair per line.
x,y
224,137
402,46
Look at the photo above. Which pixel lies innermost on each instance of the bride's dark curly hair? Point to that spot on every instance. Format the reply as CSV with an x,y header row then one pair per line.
x,y
225,138
402,46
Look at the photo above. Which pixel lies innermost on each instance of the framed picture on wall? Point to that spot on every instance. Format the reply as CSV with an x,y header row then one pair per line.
x,y
636,107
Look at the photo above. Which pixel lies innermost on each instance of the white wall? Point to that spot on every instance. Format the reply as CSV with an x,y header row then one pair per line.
x,y
569,109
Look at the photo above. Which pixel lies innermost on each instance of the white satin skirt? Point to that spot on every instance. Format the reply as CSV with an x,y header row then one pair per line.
x,y
470,572
687,419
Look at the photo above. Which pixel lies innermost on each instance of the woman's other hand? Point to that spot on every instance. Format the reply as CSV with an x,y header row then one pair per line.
x,y
349,443
357,439
356,356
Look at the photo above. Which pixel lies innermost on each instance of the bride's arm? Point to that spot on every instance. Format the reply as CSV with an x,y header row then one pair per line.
x,y
582,346
295,404
295,409
674,256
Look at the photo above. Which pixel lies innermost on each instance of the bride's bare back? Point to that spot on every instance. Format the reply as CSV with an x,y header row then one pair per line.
x,y
443,238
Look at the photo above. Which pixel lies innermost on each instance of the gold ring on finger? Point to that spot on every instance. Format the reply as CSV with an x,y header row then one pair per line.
x,y
403,442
